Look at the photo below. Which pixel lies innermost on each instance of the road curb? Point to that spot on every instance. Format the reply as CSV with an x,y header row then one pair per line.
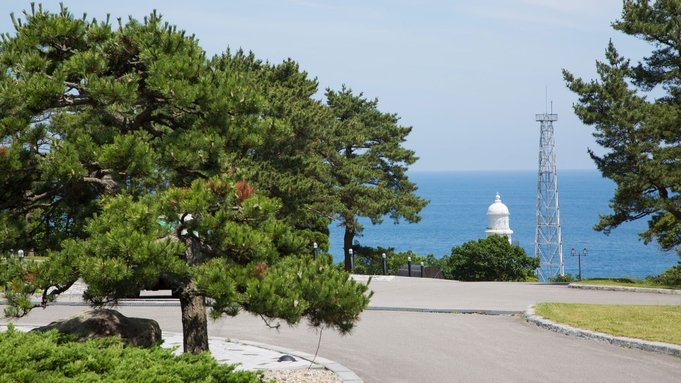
x,y
625,288
663,348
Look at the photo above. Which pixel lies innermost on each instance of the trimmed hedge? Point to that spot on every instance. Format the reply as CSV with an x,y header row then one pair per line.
x,y
54,358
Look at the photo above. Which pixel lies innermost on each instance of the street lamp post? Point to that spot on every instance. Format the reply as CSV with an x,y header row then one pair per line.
x,y
352,261
385,265
7,257
579,260
316,250
409,266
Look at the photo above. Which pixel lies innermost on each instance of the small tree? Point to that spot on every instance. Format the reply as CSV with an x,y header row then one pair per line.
x,y
368,165
489,259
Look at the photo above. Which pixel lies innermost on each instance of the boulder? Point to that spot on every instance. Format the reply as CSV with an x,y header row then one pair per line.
x,y
101,323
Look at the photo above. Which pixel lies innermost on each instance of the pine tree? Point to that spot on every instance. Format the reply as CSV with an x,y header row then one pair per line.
x,y
368,165
641,135
128,155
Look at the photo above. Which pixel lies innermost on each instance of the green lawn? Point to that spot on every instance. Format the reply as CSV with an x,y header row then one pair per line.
x,y
655,323
627,282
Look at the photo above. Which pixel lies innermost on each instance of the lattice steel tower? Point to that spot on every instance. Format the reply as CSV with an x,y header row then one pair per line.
x,y
548,243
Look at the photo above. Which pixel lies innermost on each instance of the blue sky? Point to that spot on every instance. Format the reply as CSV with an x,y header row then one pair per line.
x,y
468,75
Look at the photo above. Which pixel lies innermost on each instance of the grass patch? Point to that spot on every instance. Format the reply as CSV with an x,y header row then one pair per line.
x,y
654,323
626,282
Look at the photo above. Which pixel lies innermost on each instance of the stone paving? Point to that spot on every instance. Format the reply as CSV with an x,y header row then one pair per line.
x,y
248,356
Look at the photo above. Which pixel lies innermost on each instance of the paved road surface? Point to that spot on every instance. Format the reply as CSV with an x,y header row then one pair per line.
x,y
389,346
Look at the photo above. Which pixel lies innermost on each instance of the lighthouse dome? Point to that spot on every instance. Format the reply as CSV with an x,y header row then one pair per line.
x,y
498,208
498,219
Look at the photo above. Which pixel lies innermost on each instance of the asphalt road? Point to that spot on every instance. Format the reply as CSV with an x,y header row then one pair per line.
x,y
407,346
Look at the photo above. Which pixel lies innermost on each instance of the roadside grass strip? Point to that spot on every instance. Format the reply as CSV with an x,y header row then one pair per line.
x,y
625,282
653,323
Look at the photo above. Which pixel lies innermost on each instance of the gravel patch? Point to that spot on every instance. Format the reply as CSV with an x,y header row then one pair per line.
x,y
303,376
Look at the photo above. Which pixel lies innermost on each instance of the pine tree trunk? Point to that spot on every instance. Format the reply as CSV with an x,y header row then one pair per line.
x,y
347,245
194,323
193,306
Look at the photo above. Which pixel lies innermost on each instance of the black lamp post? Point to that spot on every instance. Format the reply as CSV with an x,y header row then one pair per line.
x,y
385,265
352,260
7,256
579,260
316,250
409,265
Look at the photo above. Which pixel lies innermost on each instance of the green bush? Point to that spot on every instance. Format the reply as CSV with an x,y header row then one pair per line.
x,y
55,358
489,259
669,277
562,278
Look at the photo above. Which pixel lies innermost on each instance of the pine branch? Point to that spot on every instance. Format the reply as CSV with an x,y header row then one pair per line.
x,y
110,186
269,321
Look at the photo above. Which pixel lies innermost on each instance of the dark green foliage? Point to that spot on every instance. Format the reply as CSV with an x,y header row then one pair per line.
x,y
669,277
101,112
368,164
369,260
562,278
489,259
288,163
641,135
51,357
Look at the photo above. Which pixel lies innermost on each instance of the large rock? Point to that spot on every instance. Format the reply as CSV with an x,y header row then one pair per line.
x,y
100,323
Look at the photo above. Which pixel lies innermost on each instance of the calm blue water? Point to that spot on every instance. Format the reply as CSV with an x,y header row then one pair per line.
x,y
457,213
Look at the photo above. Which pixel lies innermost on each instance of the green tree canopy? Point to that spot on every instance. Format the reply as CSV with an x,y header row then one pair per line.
x,y
368,165
489,259
107,130
641,135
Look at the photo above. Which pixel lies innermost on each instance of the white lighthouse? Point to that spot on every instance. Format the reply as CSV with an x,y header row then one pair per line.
x,y
498,220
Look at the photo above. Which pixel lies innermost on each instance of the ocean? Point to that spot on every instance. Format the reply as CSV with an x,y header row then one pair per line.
x,y
457,213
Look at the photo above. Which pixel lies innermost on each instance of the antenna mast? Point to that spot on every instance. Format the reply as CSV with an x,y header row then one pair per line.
x,y
548,244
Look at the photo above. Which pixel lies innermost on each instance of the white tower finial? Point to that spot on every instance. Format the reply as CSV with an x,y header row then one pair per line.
x,y
498,221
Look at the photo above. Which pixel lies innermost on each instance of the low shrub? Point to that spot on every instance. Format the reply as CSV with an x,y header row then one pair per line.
x,y
669,277
52,357
562,278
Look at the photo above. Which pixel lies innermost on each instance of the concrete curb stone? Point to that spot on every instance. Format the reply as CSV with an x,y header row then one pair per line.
x,y
664,348
625,288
